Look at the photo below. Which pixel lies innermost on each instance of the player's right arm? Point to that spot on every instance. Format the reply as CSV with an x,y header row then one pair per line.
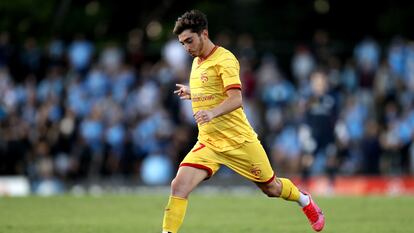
x,y
183,92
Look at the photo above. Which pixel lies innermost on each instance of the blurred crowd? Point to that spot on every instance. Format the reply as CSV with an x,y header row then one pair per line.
x,y
72,111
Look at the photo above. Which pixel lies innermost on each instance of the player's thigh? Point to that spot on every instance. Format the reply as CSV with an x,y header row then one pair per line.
x,y
250,161
203,158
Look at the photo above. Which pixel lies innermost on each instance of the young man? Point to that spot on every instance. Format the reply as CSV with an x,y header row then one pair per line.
x,y
225,136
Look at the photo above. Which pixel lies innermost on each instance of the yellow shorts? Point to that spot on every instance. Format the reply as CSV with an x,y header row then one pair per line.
x,y
250,161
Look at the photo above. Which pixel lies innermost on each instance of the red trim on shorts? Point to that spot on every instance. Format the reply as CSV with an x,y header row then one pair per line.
x,y
199,148
270,180
232,86
199,166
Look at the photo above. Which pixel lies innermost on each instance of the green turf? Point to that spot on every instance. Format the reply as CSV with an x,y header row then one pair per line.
x,y
224,213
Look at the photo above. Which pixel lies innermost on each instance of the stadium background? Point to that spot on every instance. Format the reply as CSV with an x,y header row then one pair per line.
x,y
86,91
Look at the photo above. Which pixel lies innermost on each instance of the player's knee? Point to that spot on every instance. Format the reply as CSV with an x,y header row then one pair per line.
x,y
179,188
176,185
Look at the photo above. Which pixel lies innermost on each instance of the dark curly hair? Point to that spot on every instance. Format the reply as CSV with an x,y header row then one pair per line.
x,y
194,20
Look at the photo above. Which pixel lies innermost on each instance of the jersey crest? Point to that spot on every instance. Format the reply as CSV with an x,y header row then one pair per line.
x,y
204,77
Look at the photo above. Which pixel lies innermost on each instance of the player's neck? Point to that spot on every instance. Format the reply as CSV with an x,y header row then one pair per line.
x,y
208,50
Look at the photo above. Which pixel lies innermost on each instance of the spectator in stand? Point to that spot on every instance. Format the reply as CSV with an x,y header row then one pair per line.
x,y
91,131
303,63
286,151
320,119
371,149
354,116
55,53
367,57
135,55
80,53
349,79
396,58
31,59
175,56
6,50
111,59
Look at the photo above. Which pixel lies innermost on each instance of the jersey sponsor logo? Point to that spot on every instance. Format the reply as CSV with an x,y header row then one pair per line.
x,y
203,98
204,77
197,97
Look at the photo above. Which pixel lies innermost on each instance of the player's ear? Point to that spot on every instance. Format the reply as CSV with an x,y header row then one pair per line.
x,y
205,33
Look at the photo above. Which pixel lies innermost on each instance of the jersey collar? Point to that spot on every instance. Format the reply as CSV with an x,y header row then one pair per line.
x,y
201,59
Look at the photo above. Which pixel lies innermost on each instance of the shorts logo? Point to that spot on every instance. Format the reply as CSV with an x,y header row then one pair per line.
x,y
256,171
204,77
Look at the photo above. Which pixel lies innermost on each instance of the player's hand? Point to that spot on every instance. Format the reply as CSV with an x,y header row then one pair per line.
x,y
203,116
183,92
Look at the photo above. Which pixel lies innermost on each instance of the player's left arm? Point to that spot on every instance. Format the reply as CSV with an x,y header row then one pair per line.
x,y
231,103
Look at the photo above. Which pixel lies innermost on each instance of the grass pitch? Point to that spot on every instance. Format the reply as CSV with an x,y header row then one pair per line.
x,y
225,213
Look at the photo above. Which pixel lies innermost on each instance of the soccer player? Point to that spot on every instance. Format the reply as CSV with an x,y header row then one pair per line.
x,y
225,136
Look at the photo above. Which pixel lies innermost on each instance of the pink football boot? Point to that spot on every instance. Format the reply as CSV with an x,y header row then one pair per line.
x,y
314,214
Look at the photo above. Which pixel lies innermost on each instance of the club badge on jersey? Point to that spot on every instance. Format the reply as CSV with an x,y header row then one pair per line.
x,y
204,77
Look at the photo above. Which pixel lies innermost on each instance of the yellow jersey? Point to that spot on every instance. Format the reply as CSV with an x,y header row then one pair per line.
x,y
210,78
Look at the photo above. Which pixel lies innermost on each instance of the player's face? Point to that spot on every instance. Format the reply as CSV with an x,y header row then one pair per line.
x,y
192,42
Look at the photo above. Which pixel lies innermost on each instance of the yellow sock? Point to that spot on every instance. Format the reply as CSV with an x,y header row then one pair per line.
x,y
289,190
174,214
